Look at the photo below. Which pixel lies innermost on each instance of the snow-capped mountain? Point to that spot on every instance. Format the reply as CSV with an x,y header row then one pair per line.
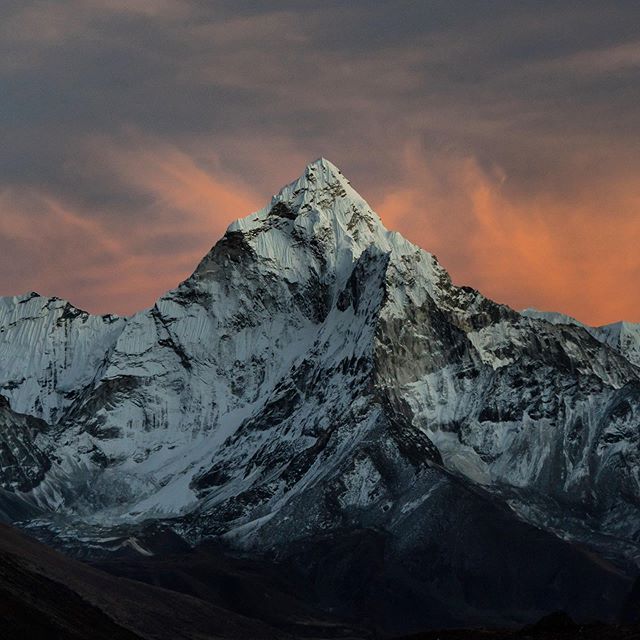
x,y
318,373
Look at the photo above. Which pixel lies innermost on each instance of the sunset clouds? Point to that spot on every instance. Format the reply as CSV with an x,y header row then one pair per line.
x,y
574,250
503,137
120,255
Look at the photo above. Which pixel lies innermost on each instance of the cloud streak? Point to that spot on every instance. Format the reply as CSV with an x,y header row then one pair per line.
x,y
542,251
98,257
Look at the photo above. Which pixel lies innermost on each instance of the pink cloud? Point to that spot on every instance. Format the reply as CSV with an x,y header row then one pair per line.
x,y
574,252
109,261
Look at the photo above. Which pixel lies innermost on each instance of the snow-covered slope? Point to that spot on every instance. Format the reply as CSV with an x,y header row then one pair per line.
x,y
316,372
555,317
50,351
624,337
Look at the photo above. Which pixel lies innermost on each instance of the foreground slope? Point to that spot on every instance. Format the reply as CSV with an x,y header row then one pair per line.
x,y
319,378
44,594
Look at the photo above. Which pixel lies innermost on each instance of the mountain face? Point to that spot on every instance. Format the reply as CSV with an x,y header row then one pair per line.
x,y
319,391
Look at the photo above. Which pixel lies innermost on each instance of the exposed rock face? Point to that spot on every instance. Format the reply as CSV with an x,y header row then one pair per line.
x,y
318,373
23,462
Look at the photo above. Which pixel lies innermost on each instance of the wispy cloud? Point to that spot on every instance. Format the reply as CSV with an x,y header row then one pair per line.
x,y
118,260
618,58
575,251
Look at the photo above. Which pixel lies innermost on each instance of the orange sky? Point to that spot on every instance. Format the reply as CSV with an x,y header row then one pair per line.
x,y
576,252
506,140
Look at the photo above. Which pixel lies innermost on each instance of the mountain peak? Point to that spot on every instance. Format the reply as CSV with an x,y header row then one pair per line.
x,y
316,221
320,198
319,177
325,166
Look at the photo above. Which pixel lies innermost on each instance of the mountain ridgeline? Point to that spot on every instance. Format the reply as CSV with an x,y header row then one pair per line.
x,y
321,394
